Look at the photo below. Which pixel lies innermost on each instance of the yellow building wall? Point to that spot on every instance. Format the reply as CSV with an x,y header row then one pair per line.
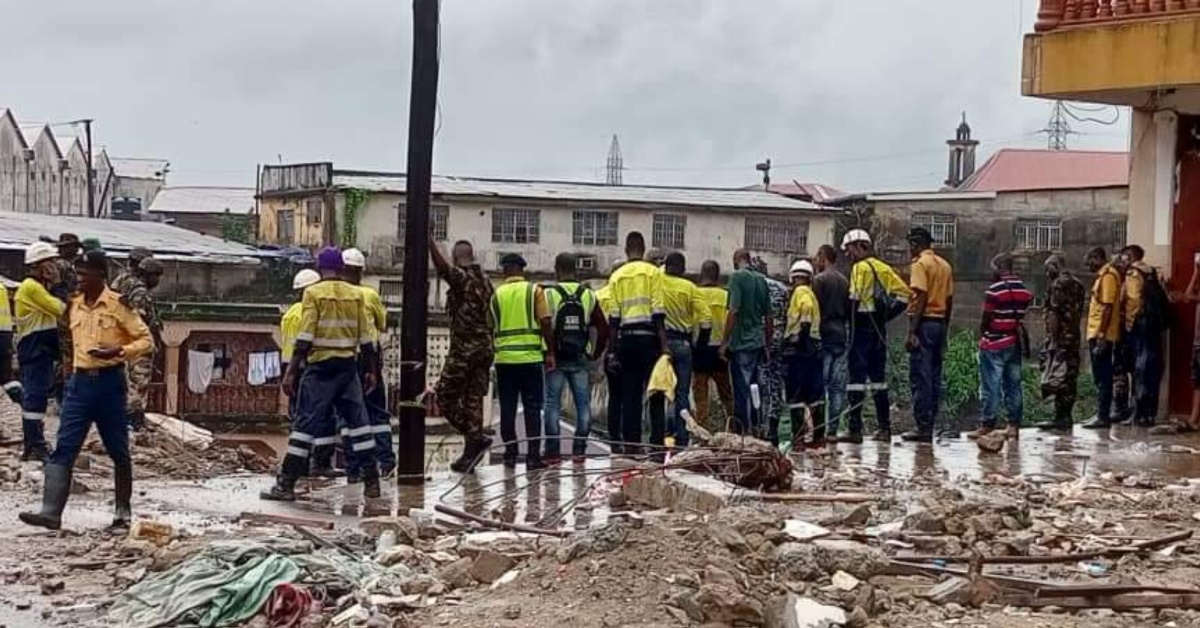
x,y
304,233
1125,56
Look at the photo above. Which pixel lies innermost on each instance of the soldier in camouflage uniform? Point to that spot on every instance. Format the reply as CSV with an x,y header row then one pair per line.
x,y
1064,314
138,373
123,282
772,369
466,373
68,250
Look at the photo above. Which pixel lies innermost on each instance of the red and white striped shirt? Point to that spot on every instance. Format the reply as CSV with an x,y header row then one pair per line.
x,y
1006,302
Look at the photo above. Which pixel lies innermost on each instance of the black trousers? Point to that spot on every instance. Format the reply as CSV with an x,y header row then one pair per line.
x,y
612,375
637,354
525,382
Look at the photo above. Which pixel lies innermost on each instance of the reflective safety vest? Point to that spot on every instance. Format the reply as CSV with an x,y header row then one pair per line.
x,y
637,291
289,328
6,319
518,336
334,321
36,309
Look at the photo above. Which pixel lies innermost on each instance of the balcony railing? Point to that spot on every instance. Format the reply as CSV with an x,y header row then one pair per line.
x,y
1059,14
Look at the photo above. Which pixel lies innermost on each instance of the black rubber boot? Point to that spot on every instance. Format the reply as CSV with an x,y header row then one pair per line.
x,y
473,452
510,456
123,493
34,440
370,480
322,460
917,436
533,461
284,489
54,498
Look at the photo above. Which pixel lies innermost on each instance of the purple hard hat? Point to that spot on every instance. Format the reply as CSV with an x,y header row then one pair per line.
x,y
330,258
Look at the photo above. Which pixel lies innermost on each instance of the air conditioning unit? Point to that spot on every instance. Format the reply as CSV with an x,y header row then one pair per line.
x,y
585,262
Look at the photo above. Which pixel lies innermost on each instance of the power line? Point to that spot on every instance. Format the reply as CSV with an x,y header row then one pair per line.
x,y
1058,129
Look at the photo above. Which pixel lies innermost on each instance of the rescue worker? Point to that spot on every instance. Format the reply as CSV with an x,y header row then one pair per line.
x,y
748,326
686,310
573,352
376,400
466,371
121,282
335,331
805,388
1103,332
709,366
1146,335
612,365
37,313
833,295
772,368
107,334
138,296
524,347
639,316
68,250
931,281
321,461
1065,300
11,387
870,278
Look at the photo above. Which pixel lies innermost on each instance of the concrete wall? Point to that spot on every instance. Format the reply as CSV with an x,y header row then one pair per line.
x,y
142,189
304,232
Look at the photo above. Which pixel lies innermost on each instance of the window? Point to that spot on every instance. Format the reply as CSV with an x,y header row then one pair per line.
x,y
594,228
313,208
776,235
943,228
391,291
520,226
439,221
285,226
1039,235
668,232
1119,235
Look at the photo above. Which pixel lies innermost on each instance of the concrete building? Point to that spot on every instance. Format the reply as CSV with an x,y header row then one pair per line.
x,y
134,185
205,209
313,204
1143,55
41,170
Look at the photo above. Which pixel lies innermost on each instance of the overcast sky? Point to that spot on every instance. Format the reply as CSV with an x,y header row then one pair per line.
x,y
858,94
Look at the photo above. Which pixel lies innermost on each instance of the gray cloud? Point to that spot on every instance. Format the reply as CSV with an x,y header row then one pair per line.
x,y
863,91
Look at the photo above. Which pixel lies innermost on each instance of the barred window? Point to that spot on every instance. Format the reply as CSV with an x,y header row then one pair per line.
x,y
594,228
313,208
1039,235
520,226
439,221
1119,235
777,235
669,231
943,228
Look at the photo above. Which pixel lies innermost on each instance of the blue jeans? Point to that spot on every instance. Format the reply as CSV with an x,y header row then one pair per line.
x,y
1102,374
835,373
681,361
925,372
581,392
743,373
96,396
1000,375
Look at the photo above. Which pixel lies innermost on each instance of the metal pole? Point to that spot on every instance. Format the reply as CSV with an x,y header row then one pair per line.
x,y
91,170
413,335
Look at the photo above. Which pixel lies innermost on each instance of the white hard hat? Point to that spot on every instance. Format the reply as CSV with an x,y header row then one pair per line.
x,y
354,257
305,278
856,235
802,266
39,252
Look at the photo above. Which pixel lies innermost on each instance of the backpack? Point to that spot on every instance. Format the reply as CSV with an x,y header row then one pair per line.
x,y
570,324
1156,311
887,306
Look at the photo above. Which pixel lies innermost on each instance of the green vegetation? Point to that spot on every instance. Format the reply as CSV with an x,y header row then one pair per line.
x,y
356,199
235,228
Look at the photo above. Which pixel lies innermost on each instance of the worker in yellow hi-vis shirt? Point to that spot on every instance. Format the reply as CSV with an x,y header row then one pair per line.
x,y
805,369
334,331
37,313
708,365
376,400
289,324
638,317
687,310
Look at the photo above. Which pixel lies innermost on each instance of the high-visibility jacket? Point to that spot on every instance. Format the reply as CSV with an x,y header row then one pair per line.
x,y
803,310
333,321
375,311
518,334
717,298
866,274
36,309
637,292
607,305
289,328
685,306
6,319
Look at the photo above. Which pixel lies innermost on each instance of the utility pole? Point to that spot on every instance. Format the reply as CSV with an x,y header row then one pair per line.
x,y
422,116
91,169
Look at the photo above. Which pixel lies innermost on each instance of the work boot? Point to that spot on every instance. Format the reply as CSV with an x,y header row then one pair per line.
x,y
534,462
917,436
510,456
1096,423
56,489
370,482
1012,432
34,442
982,430
882,436
15,391
284,490
854,438
137,420
472,455
325,473
123,492
1056,425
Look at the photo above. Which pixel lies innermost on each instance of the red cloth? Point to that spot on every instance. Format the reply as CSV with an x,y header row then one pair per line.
x,y
288,606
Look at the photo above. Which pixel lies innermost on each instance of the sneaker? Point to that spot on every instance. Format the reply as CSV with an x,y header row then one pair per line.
x,y
1012,432
982,430
1097,424
855,438
915,436
882,436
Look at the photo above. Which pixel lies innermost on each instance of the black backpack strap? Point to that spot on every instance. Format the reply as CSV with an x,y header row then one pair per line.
x,y
561,293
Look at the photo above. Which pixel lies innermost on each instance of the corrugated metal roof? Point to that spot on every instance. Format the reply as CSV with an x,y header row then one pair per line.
x,y
1021,169
138,168
577,191
819,193
203,200
18,230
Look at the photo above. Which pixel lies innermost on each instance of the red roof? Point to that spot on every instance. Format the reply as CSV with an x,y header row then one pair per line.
x,y
1021,169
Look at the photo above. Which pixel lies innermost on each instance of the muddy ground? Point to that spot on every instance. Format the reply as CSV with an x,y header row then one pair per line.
x,y
742,565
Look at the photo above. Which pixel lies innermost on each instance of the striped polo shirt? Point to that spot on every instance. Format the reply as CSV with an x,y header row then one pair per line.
x,y
1006,301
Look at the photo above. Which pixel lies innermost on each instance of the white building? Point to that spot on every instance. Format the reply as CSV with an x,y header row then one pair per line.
x,y
41,170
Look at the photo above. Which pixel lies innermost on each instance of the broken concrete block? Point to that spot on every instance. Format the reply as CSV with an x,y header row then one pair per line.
x,y
729,537
457,574
489,566
405,529
794,611
956,590
723,604
860,516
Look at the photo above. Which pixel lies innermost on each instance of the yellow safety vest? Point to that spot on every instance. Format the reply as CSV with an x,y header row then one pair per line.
x,y
289,328
518,337
37,309
637,290
334,321
6,319
375,311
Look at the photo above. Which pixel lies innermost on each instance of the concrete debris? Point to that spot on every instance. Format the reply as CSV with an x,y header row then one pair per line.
x,y
844,581
794,611
489,566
